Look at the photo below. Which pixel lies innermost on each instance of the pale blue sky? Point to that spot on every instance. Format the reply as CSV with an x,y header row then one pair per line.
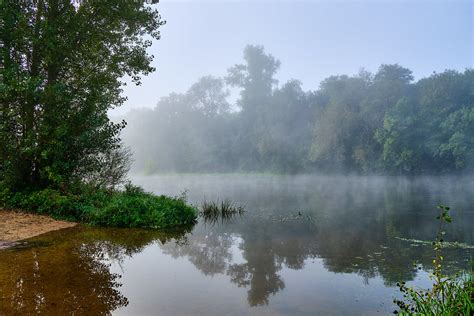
x,y
312,39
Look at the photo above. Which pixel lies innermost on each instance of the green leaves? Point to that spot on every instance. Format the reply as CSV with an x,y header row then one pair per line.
x,y
444,215
62,66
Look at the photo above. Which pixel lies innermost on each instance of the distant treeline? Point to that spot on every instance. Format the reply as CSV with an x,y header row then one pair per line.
x,y
367,123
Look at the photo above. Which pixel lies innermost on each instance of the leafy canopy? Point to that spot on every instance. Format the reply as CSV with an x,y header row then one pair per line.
x,y
61,68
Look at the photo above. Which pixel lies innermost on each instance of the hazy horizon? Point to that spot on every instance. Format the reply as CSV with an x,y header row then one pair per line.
x,y
312,39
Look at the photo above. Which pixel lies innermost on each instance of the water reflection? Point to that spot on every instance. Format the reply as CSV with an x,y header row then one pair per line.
x,y
68,272
319,229
346,247
61,278
352,225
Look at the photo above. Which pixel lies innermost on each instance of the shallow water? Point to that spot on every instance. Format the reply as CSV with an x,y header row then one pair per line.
x,y
307,245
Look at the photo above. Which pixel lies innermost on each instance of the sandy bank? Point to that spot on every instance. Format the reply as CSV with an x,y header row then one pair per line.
x,y
15,226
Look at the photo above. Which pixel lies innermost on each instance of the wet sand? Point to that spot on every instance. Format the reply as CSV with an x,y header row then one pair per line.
x,y
16,226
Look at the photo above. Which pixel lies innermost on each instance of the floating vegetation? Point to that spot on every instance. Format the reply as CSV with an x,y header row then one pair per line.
x,y
225,210
445,244
292,217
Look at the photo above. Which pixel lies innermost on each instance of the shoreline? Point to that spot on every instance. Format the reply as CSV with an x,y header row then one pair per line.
x,y
16,226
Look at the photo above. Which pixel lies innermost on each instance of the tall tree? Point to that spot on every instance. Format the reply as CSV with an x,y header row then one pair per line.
x,y
388,86
61,68
337,130
432,129
256,80
284,129
186,132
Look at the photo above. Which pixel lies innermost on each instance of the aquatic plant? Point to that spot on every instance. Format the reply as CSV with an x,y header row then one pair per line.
x,y
212,211
449,295
445,244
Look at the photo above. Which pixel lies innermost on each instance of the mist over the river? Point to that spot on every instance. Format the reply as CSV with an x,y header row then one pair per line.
x,y
351,88
383,122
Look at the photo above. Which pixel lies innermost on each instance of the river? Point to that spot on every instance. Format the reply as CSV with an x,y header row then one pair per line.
x,y
306,245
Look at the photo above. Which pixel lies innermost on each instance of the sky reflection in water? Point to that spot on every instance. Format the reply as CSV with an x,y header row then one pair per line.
x,y
306,245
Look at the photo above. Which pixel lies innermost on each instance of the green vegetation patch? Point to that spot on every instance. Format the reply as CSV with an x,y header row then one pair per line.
x,y
131,207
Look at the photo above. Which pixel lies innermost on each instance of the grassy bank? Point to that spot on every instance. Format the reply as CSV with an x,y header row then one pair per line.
x,y
131,207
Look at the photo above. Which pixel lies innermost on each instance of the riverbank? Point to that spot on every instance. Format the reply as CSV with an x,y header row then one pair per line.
x,y
130,207
16,226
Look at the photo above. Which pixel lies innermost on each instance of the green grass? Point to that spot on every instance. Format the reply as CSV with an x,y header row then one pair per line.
x,y
131,207
449,296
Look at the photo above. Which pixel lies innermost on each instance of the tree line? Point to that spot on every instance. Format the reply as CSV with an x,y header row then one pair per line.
x,y
381,122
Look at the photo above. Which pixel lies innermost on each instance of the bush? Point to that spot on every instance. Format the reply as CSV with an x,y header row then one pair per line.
x,y
132,207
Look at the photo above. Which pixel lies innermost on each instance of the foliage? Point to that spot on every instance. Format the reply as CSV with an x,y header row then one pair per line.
x,y
131,207
336,138
400,136
62,62
190,131
433,128
449,295
457,130
366,123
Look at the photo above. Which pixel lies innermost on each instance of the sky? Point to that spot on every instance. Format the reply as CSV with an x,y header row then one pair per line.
x,y
312,39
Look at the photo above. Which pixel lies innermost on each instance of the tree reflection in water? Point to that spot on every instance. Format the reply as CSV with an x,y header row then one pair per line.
x,y
351,230
68,272
65,278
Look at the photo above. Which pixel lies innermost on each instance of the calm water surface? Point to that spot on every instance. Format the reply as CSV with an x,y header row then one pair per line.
x,y
307,245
